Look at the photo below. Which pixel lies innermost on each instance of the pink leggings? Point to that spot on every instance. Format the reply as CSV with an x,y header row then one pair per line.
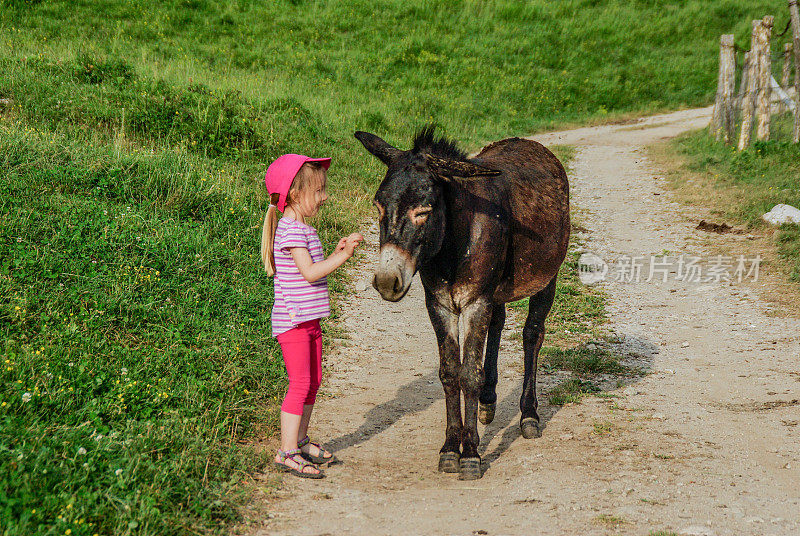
x,y
302,355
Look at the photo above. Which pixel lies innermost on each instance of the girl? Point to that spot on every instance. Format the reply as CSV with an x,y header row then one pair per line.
x,y
292,252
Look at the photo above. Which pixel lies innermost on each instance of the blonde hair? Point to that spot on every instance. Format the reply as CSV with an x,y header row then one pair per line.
x,y
307,176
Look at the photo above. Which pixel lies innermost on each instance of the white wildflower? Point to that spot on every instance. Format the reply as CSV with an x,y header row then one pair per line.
x,y
118,472
124,371
26,397
81,451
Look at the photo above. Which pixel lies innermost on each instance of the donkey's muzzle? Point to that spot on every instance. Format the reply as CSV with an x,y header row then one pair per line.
x,y
394,273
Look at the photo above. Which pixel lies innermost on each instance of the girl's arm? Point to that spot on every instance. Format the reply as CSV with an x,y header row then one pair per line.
x,y
312,271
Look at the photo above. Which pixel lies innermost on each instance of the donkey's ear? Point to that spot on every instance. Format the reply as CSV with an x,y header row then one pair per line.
x,y
449,169
385,152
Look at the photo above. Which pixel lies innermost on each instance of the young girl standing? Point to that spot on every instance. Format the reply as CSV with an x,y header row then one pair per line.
x,y
292,252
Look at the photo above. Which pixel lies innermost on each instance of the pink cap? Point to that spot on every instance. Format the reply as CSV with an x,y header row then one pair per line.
x,y
282,171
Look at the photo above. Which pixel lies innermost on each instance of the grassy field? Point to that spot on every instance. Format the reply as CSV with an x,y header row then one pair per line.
x,y
133,140
741,186
484,69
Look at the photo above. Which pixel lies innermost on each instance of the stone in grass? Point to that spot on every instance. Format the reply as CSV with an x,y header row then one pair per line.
x,y
781,214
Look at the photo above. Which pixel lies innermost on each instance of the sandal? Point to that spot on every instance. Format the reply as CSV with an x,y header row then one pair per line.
x,y
320,459
302,463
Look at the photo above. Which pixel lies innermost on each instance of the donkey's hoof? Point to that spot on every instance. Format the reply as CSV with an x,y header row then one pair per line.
x,y
448,462
470,469
530,427
486,412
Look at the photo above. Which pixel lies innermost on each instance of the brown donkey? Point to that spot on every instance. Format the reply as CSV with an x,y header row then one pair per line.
x,y
482,232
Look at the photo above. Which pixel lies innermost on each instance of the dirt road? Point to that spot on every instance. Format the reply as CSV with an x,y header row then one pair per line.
x,y
707,443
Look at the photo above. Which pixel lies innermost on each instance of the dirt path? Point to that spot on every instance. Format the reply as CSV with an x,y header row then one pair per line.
x,y
708,443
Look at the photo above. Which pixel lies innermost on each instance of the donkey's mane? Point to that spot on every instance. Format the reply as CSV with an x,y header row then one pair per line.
x,y
425,141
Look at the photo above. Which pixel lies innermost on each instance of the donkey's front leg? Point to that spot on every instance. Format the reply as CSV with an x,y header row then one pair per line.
x,y
445,324
475,319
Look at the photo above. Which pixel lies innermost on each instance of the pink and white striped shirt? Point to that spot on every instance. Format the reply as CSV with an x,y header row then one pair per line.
x,y
296,300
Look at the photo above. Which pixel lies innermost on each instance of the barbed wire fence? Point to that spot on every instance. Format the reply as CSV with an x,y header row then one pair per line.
x,y
758,88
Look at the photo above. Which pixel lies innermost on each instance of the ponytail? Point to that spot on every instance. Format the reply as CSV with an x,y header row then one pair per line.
x,y
268,236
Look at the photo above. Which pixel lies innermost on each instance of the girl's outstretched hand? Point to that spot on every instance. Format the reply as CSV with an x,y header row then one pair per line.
x,y
340,246
352,242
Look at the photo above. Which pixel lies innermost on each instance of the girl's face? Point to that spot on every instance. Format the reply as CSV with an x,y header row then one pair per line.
x,y
311,198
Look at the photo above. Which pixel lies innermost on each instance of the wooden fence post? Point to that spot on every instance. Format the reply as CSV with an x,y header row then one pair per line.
x,y
723,106
749,101
764,76
796,47
716,115
747,65
786,74
730,89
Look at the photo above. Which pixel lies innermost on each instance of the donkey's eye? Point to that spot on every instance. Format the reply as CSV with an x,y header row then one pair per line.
x,y
419,215
381,210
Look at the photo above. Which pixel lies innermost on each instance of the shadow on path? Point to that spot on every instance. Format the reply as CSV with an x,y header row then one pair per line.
x,y
634,352
413,397
423,391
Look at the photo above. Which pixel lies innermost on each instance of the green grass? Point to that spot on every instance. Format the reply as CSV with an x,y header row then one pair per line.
x,y
603,428
483,69
753,180
133,139
582,360
571,391
610,520
133,316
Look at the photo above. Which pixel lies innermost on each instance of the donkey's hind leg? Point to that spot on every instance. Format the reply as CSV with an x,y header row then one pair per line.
x,y
532,339
488,396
